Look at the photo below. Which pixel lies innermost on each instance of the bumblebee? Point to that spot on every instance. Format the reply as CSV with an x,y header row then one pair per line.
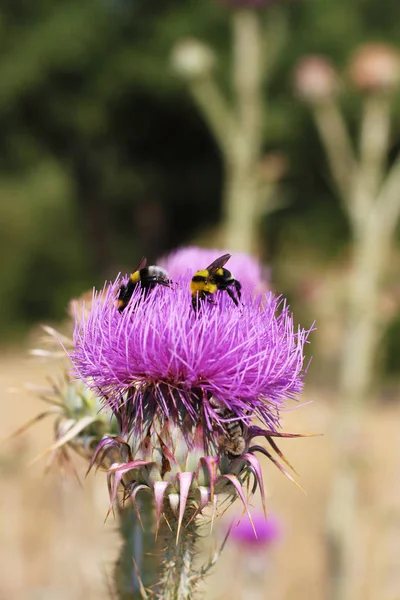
x,y
146,277
231,438
207,281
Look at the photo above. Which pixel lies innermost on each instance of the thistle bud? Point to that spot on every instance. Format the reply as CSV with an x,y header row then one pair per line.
x,y
79,423
375,68
192,59
315,79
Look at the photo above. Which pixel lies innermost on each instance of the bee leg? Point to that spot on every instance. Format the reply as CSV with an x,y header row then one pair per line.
x,y
197,299
145,290
195,302
201,297
238,288
232,296
122,291
129,289
121,298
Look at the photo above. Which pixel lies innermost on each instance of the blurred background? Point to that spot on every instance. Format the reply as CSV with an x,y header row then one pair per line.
x,y
129,128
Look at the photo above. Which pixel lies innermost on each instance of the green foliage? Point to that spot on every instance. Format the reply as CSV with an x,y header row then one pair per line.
x,y
34,209
103,158
391,346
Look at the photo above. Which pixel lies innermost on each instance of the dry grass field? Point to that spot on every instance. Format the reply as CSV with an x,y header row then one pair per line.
x,y
54,545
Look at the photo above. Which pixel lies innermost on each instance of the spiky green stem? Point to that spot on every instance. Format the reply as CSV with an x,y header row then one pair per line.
x,y
137,564
179,577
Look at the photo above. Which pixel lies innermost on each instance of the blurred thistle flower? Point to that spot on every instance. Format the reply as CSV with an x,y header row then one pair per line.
x,y
259,534
253,543
375,68
189,259
184,386
192,59
315,79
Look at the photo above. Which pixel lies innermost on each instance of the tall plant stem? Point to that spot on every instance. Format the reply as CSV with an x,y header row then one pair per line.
x,y
354,390
179,577
241,203
237,123
338,147
137,564
372,208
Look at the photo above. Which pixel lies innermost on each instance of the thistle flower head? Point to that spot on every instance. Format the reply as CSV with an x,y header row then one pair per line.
x,y
160,356
184,385
315,79
193,59
375,68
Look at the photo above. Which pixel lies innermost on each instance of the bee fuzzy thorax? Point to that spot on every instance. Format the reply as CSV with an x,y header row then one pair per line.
x,y
145,276
201,284
206,282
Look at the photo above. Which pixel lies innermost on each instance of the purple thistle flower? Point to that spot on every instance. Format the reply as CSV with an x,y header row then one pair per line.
x,y
184,385
259,533
247,269
161,357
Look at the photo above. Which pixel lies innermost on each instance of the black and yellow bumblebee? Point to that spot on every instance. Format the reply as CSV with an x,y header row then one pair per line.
x,y
207,281
146,277
231,436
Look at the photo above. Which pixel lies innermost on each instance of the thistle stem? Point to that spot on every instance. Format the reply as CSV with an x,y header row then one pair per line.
x,y
137,565
335,136
241,200
372,232
179,578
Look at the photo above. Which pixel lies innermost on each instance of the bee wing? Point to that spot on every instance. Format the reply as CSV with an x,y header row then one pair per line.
x,y
142,264
218,263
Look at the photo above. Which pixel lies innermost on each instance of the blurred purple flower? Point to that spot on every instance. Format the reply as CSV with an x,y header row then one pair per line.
x,y
268,530
187,260
160,357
